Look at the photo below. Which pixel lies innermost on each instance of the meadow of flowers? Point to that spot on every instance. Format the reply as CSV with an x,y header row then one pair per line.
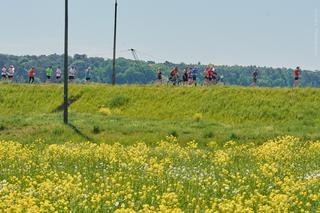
x,y
280,175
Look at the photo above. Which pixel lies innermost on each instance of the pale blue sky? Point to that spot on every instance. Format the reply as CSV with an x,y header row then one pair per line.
x,y
278,33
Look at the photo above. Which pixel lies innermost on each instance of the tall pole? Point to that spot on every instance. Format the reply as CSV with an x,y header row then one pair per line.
x,y
114,45
65,74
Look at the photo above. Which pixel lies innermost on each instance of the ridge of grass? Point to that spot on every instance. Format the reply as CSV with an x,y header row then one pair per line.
x,y
149,113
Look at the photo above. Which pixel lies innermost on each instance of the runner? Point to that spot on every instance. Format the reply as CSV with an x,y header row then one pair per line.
x,y
210,74
31,74
221,80
88,75
189,72
159,75
72,74
185,76
174,75
296,73
194,76
10,72
49,72
4,73
58,74
206,76
215,77
254,78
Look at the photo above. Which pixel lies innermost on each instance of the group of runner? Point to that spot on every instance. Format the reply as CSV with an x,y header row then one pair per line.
x,y
7,74
189,75
49,74
211,77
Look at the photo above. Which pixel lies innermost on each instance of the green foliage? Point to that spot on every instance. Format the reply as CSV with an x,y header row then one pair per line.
x,y
2,127
233,136
208,134
118,101
173,133
96,129
57,131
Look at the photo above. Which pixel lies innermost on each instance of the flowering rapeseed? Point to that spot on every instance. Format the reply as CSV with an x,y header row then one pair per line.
x,y
280,175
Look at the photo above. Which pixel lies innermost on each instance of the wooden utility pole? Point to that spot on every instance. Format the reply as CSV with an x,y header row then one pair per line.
x,y
65,107
114,44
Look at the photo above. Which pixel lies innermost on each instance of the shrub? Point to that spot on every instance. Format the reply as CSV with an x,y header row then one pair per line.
x,y
2,127
58,131
96,129
118,101
233,136
173,133
208,134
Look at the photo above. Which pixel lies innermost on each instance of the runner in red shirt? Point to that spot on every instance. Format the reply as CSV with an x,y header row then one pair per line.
x,y
174,75
296,73
31,74
210,74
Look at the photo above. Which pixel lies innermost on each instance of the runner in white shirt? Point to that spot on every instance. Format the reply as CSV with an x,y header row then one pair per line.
x,y
58,74
72,73
10,72
4,73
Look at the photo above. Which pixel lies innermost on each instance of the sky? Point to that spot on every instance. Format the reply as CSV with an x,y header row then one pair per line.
x,y
276,33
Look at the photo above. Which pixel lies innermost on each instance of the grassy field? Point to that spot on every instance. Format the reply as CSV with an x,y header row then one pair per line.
x,y
127,114
159,149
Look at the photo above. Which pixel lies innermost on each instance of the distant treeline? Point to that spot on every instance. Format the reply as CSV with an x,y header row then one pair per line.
x,y
142,72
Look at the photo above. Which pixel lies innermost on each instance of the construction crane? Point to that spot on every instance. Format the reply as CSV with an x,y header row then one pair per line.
x,y
134,54
138,63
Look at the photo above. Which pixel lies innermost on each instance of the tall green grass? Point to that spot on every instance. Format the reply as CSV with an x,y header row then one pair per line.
x,y
231,104
225,112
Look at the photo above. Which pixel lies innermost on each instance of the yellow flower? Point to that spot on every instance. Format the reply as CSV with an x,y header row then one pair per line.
x,y
221,157
105,111
198,117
